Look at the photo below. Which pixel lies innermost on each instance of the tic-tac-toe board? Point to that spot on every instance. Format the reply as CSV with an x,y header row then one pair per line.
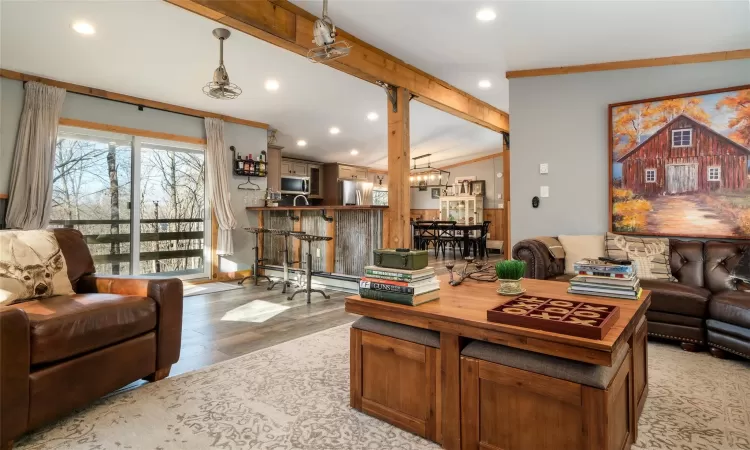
x,y
587,320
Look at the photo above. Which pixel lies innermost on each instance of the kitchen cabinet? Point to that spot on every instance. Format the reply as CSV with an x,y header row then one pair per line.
x,y
352,173
315,171
291,167
464,209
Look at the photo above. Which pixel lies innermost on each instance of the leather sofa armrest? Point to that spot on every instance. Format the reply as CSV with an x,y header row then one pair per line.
x,y
540,264
166,292
15,366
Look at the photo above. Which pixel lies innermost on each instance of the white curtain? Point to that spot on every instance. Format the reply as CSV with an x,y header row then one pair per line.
x,y
34,158
218,166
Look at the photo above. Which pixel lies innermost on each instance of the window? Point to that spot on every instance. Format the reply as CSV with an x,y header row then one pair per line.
x,y
682,138
650,175
714,173
140,202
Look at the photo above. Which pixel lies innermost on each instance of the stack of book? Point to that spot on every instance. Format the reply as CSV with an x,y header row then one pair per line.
x,y
406,287
605,279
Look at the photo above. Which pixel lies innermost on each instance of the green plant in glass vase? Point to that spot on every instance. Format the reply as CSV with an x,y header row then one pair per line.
x,y
509,274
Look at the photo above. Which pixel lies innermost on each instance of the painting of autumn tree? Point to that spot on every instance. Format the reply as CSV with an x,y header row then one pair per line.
x,y
680,165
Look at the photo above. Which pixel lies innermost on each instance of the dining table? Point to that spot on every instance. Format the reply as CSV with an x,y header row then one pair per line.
x,y
465,229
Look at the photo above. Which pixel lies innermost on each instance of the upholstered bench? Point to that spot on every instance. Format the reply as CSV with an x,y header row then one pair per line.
x,y
516,399
395,375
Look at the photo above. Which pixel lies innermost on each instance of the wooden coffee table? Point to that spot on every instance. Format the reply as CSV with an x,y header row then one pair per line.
x,y
461,314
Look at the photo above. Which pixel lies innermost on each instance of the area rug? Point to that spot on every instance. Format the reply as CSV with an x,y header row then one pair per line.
x,y
295,396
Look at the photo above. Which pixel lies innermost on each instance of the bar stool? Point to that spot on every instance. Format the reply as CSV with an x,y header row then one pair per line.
x,y
257,232
287,262
309,238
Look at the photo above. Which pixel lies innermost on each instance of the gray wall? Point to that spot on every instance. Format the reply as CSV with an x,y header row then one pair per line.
x,y
563,121
245,139
486,170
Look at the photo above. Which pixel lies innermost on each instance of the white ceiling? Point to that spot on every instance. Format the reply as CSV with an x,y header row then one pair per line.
x,y
155,50
443,37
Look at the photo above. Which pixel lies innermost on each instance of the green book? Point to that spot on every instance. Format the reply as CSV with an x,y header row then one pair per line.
x,y
401,299
399,275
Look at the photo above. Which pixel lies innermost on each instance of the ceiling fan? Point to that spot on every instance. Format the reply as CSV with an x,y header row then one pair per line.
x,y
220,87
324,36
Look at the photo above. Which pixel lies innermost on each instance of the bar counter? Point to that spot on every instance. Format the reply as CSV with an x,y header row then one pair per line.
x,y
308,208
355,232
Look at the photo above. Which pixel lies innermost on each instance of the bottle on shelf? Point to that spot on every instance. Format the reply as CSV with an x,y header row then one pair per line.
x,y
239,164
251,170
246,166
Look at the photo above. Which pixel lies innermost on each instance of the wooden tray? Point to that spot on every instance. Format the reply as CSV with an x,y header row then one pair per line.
x,y
582,319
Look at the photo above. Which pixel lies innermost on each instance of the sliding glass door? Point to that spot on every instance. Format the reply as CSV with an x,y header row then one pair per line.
x,y
140,204
173,211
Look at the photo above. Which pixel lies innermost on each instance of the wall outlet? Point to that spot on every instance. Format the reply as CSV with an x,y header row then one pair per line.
x,y
317,253
544,192
544,168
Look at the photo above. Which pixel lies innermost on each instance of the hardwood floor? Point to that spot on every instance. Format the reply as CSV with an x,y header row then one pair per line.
x,y
207,339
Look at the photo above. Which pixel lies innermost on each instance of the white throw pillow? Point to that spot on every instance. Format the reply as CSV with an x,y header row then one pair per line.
x,y
580,247
31,266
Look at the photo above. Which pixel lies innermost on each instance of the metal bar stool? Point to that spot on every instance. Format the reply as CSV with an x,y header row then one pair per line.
x,y
257,232
287,262
309,238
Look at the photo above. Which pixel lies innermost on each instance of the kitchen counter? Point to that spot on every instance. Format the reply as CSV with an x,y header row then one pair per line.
x,y
312,208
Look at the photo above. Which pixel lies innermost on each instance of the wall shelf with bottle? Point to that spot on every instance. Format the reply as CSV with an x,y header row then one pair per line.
x,y
247,166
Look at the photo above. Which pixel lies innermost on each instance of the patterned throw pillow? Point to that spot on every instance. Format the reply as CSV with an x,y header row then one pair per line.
x,y
650,256
742,269
31,266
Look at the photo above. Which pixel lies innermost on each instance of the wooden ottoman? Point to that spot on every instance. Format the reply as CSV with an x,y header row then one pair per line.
x,y
395,375
514,399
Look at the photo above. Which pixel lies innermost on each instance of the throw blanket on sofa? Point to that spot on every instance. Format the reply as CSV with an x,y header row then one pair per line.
x,y
553,246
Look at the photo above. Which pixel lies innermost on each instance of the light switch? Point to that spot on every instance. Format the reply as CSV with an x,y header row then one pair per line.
x,y
544,168
544,191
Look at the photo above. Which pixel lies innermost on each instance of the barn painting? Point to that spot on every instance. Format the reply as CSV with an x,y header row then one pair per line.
x,y
680,165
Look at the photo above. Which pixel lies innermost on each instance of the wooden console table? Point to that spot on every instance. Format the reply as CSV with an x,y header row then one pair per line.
x,y
461,314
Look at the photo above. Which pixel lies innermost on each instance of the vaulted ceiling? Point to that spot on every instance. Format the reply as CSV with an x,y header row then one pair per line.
x,y
154,50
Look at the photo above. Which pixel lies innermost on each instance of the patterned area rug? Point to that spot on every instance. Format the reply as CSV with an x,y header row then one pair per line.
x,y
296,395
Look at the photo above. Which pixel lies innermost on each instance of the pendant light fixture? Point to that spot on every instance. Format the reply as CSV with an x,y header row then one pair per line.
x,y
220,87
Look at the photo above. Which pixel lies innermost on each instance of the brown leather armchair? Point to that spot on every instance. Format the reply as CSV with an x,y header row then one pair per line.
x,y
61,353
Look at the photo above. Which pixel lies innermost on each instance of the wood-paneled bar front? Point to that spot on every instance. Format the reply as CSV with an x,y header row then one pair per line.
x,y
354,230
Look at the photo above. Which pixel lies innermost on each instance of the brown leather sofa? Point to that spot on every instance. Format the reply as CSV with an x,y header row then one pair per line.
x,y
63,352
705,306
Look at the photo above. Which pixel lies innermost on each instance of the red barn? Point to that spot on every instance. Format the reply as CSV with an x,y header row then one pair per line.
x,y
684,156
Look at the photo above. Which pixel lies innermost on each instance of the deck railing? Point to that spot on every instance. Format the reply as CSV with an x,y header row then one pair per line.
x,y
122,238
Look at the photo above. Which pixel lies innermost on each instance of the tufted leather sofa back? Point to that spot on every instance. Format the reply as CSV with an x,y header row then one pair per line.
x,y
686,261
720,259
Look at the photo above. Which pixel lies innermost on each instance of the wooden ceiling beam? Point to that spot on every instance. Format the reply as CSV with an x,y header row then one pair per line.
x,y
288,26
632,64
108,95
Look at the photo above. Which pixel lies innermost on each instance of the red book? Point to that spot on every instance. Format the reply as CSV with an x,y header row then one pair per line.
x,y
394,283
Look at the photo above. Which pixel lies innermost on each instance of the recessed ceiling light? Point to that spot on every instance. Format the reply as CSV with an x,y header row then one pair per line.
x,y
354,152
84,28
272,85
301,143
486,15
334,130
372,117
485,84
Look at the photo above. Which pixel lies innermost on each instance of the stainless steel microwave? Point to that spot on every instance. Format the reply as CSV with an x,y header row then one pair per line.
x,y
295,185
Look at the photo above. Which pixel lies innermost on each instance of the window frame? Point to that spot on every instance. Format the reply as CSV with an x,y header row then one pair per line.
x,y
718,173
652,170
680,130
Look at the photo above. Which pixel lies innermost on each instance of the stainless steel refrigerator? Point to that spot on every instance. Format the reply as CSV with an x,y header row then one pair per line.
x,y
355,192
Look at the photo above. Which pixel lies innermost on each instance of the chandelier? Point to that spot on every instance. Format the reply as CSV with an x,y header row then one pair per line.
x,y
424,176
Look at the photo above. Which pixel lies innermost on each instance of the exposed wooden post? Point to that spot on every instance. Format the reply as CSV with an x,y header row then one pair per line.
x,y
331,245
296,243
399,201
506,200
